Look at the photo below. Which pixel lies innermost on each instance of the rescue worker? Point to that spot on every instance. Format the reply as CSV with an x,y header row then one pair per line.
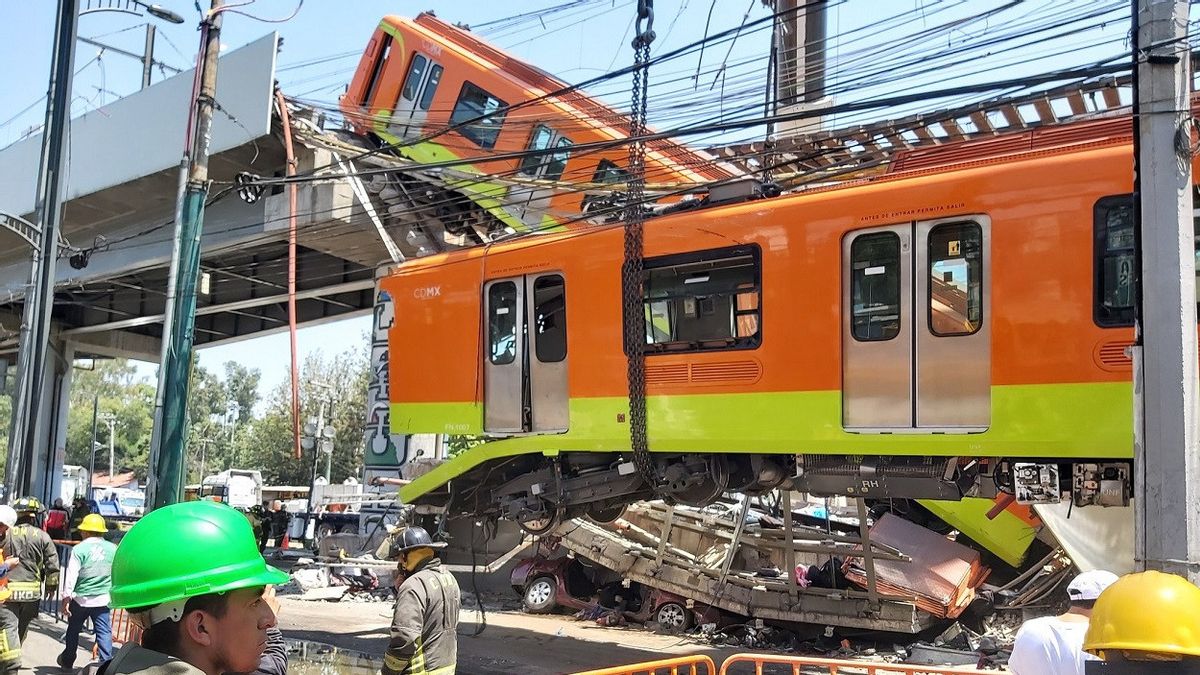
x,y
85,590
190,575
57,520
1053,645
10,642
37,575
1146,624
425,623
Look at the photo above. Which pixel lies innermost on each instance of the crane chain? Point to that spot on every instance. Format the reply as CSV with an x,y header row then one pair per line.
x,y
633,308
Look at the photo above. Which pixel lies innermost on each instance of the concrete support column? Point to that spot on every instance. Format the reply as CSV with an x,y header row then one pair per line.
x,y
50,451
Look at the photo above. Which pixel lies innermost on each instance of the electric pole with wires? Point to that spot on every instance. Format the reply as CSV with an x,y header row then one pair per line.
x,y
1166,434
170,410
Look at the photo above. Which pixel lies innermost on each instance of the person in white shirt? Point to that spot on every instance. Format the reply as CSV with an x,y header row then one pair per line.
x,y
85,590
1053,645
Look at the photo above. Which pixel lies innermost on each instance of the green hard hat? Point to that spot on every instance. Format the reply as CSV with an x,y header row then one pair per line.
x,y
184,550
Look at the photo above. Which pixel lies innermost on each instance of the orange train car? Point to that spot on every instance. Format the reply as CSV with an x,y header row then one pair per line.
x,y
437,93
947,330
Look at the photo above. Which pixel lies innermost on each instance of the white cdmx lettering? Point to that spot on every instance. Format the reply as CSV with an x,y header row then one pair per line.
x,y
427,292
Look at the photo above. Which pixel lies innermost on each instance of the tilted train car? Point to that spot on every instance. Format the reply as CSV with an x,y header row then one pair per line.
x,y
437,93
955,327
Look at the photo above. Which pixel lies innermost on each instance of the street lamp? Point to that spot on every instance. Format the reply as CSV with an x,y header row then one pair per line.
x,y
129,7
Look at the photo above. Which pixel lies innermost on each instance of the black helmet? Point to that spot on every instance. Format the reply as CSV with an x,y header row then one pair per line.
x,y
416,537
28,505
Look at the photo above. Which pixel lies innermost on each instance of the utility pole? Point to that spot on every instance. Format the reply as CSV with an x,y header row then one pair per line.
x,y
170,410
148,55
1166,457
317,436
111,419
799,62
29,414
203,443
92,456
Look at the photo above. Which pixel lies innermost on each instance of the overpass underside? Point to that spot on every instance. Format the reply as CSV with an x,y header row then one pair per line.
x,y
121,192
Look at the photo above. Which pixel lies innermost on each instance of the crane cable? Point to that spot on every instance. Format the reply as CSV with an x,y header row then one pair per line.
x,y
632,315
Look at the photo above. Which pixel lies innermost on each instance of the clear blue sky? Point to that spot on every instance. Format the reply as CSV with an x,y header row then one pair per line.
x,y
581,42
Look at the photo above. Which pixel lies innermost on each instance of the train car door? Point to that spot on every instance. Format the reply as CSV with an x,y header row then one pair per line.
x,y
916,346
525,364
416,96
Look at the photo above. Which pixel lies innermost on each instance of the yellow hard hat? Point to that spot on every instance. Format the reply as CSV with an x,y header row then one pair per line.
x,y
1148,612
93,522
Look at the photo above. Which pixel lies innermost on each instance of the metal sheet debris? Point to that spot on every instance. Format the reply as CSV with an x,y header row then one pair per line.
x,y
942,576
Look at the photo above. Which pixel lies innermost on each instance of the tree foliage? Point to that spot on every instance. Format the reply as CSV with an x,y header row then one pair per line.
x,y
224,430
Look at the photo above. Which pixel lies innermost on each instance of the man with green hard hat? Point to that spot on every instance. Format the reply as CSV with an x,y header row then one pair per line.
x,y
190,575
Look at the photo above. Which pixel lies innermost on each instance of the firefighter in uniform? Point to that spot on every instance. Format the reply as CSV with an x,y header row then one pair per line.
x,y
39,563
10,643
425,623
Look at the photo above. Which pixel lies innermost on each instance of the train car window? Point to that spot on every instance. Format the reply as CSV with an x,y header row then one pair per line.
x,y
538,140
416,73
556,164
473,103
608,172
376,69
703,301
955,279
502,323
546,165
435,76
875,287
1114,261
550,319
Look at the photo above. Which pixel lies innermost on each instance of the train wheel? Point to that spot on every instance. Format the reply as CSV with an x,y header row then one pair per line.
x,y
541,523
715,483
606,514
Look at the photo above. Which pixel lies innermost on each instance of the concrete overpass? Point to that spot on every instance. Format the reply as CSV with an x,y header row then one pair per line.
x,y
121,190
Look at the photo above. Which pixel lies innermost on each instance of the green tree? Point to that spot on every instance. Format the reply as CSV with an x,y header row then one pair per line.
x,y
341,382
116,389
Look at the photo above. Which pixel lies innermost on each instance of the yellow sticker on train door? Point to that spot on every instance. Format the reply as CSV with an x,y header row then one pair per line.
x,y
954,248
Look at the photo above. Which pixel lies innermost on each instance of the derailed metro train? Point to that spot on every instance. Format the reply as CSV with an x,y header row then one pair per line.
x,y
955,327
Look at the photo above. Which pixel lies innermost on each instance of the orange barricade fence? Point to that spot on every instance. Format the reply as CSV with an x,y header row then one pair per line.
x,y
770,664
698,664
123,630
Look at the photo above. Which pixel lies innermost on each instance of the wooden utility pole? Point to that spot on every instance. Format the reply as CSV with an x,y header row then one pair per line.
x,y
1167,458
169,438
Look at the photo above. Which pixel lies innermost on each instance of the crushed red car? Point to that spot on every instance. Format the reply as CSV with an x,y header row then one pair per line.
x,y
546,583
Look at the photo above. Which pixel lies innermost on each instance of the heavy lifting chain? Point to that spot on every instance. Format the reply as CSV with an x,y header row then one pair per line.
x,y
633,309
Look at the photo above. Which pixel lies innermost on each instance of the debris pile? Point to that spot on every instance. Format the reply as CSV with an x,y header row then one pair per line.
x,y
942,576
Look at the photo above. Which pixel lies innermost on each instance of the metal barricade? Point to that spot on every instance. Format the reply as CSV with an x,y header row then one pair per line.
x,y
760,664
53,606
697,664
123,630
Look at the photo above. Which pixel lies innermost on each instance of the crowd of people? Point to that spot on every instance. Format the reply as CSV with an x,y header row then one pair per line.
x,y
192,578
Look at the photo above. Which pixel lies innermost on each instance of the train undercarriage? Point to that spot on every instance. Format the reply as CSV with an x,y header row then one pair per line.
x,y
539,492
